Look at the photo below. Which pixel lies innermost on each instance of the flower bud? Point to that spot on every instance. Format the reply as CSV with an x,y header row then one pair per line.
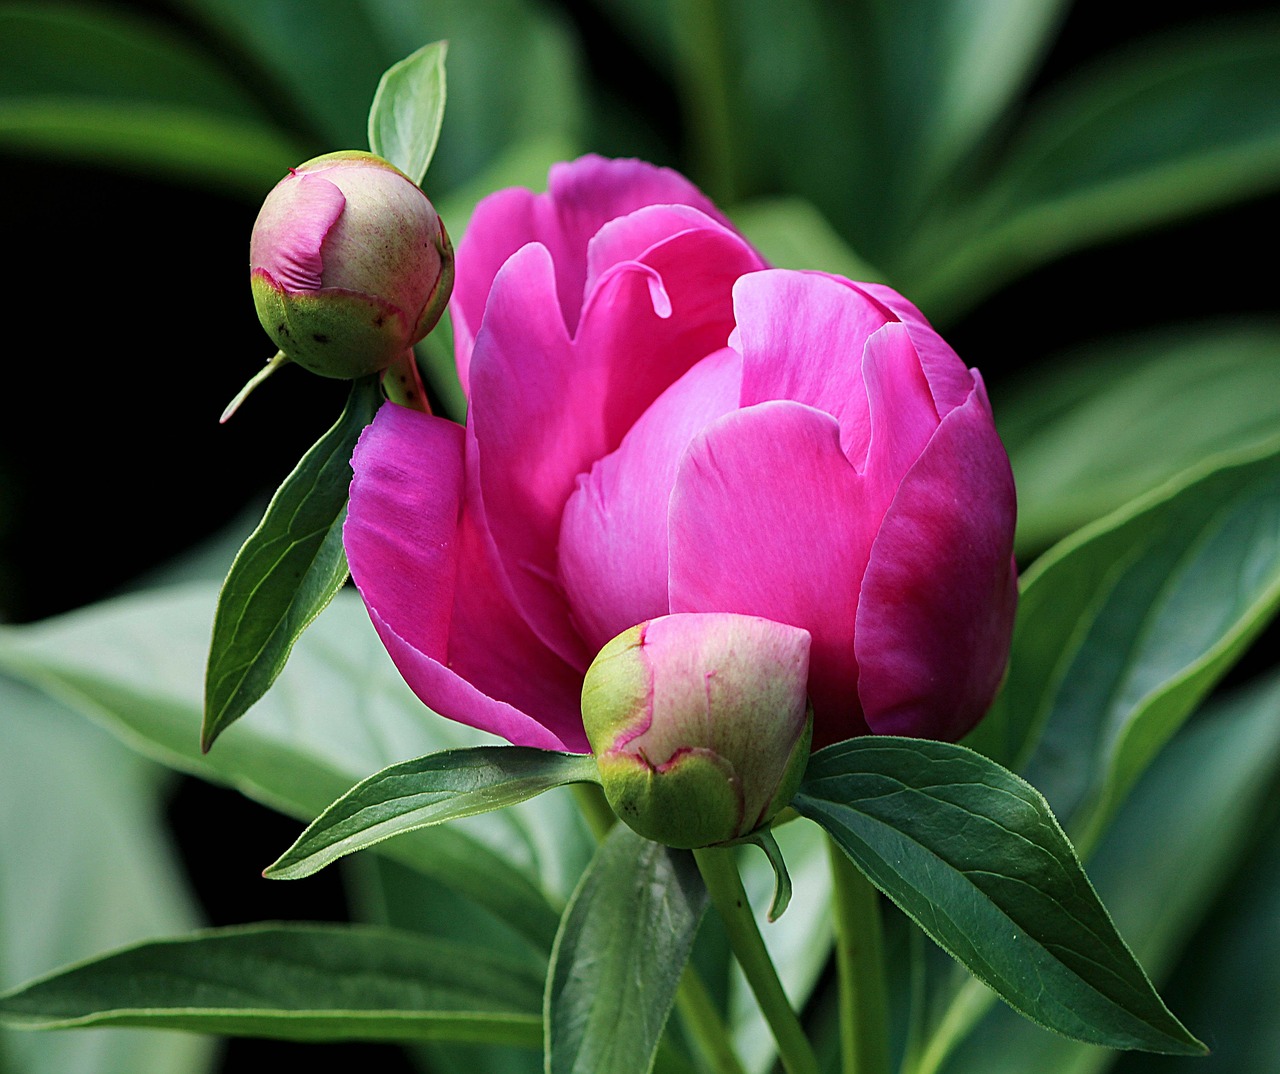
x,y
700,724
350,264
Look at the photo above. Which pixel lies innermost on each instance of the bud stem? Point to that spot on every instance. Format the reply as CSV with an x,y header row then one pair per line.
x,y
719,868
403,384
272,365
864,1045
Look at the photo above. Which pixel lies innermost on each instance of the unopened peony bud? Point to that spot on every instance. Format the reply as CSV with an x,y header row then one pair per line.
x,y
350,264
700,724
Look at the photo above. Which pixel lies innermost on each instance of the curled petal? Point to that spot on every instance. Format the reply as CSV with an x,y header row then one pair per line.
x,y
940,591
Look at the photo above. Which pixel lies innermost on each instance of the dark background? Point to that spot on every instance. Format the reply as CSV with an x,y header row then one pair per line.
x,y
132,325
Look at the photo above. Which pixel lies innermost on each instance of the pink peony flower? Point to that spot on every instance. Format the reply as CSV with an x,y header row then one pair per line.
x,y
660,423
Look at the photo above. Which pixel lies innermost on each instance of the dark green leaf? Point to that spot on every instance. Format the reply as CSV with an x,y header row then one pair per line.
x,y
287,572
429,790
619,955
1124,628
791,233
1093,430
1190,821
305,982
408,109
974,856
339,712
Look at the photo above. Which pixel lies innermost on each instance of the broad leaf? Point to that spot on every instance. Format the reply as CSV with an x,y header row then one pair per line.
x,y
974,856
1170,128
792,234
408,110
338,713
1124,628
102,86
84,865
429,790
1170,853
287,572
1091,431
619,955
306,982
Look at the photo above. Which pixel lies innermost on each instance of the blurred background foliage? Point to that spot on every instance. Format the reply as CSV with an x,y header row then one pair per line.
x,y
1082,198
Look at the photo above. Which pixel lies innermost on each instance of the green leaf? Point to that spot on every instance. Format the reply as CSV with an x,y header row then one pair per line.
x,y
408,111
1172,127
1125,627
619,955
102,86
1190,821
1091,431
307,982
429,790
287,572
85,864
338,713
974,856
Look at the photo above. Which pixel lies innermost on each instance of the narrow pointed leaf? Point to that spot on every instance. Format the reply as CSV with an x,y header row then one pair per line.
x,y
1125,627
619,955
1190,824
974,856
426,791
305,982
287,572
408,110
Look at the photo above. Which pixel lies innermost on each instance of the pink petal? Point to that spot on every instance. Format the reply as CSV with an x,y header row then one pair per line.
x,y
545,408
940,591
802,336
427,589
291,228
903,418
949,381
613,535
583,196
766,520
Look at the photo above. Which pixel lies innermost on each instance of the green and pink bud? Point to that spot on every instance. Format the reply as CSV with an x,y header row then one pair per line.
x,y
350,264
700,724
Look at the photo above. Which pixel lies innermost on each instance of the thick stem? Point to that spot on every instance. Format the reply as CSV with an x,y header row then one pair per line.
x,y
594,808
719,869
864,1011
403,384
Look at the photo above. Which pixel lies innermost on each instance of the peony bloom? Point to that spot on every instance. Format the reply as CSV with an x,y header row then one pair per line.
x,y
349,264
659,423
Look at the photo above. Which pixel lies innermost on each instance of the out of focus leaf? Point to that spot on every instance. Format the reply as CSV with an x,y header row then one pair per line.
x,y
1169,855
338,712
513,70
101,86
1170,128
1087,433
792,234
1125,627
84,865
294,982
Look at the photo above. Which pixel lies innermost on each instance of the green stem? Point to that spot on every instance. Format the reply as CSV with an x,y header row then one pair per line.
x,y
594,808
864,1010
702,70
719,869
